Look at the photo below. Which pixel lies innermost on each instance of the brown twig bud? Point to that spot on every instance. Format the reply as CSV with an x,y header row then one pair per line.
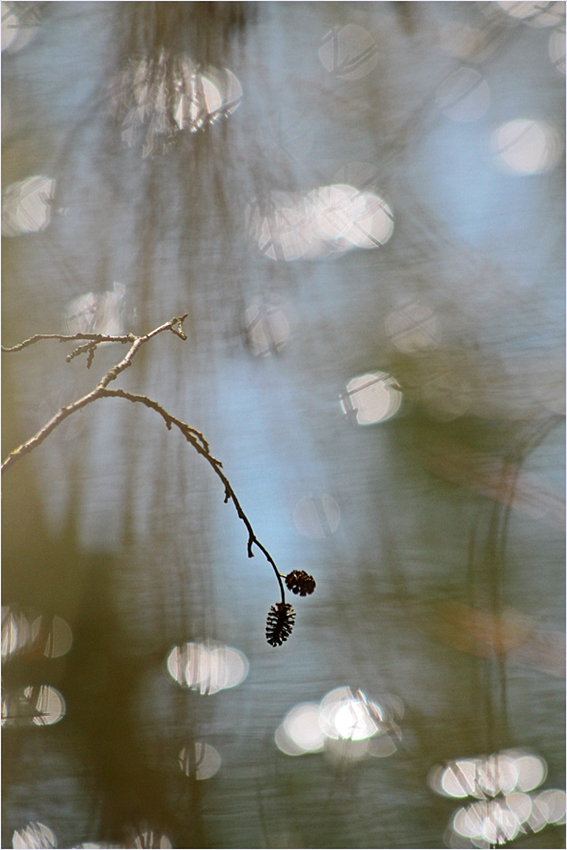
x,y
279,625
300,582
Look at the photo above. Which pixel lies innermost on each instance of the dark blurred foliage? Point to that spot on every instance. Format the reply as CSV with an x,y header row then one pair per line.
x,y
443,582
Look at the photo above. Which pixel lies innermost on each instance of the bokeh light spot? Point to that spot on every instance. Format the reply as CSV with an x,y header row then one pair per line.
x,y
26,206
285,744
198,103
556,48
146,839
328,221
347,727
59,638
266,326
554,800
10,26
348,52
345,716
497,774
500,825
154,98
16,631
207,668
92,313
317,516
531,772
534,13
371,398
520,804
49,705
524,147
19,25
301,726
333,210
500,773
381,747
372,223
490,821
34,835
459,779
200,761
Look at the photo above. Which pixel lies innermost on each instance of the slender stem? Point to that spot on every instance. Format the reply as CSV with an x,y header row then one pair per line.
x,y
175,325
49,426
98,338
194,437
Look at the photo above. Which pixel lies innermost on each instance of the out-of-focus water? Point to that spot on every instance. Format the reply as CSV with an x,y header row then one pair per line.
x,y
360,206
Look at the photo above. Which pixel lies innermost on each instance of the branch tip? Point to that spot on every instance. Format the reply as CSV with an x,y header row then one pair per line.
x,y
281,616
178,331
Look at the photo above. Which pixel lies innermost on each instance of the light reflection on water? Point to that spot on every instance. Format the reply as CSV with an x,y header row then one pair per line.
x,y
535,14
503,783
326,222
266,325
207,668
20,24
525,146
100,314
317,516
347,727
35,834
340,163
26,205
371,398
556,47
20,632
348,52
201,761
155,97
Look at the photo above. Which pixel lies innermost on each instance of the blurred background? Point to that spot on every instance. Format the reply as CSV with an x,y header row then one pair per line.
x,y
361,208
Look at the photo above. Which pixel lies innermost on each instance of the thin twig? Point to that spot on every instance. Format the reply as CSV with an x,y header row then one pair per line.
x,y
98,338
175,325
196,439
193,437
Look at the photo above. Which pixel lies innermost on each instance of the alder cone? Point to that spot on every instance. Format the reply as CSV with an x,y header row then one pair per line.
x,y
300,582
279,624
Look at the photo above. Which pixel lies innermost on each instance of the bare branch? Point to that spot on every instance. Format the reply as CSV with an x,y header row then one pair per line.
x,y
193,437
49,426
175,325
67,338
196,439
88,346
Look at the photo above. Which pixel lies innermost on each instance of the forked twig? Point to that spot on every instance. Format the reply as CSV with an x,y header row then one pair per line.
x,y
279,627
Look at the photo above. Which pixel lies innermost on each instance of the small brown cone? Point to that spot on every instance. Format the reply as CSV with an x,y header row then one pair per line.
x,y
279,624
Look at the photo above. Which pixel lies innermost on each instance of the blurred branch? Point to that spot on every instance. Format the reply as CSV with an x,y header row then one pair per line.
x,y
193,437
